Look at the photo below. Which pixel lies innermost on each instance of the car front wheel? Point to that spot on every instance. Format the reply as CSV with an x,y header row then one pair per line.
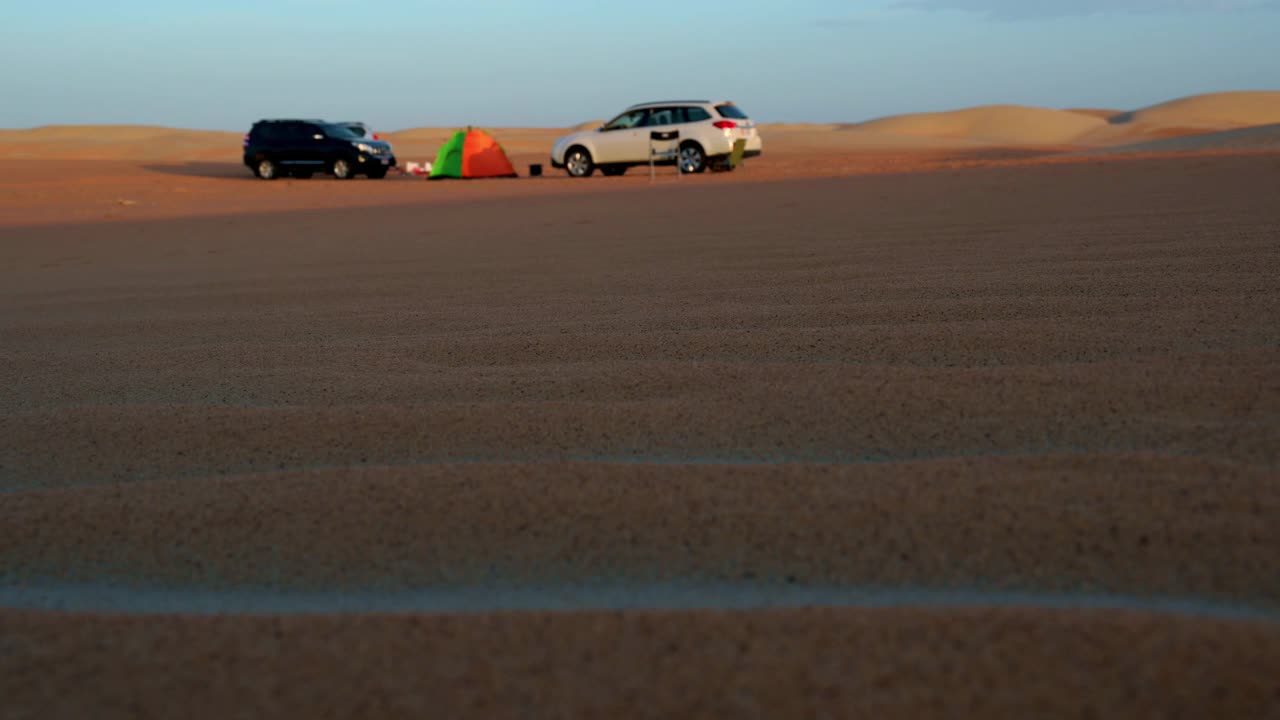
x,y
578,163
342,169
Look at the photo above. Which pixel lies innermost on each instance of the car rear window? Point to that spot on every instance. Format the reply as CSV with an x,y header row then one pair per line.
x,y
731,111
697,114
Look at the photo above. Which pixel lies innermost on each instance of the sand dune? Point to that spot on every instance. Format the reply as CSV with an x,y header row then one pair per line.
x,y
1102,113
78,133
1186,117
111,142
1013,125
1213,111
1010,126
995,125
797,127
1261,138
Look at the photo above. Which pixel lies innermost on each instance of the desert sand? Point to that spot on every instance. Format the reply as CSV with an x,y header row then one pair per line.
x,y
946,429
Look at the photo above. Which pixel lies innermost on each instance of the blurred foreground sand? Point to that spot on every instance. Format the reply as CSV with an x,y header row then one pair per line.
x,y
1050,377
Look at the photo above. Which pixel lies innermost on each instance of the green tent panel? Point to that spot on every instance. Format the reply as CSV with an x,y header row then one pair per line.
x,y
449,160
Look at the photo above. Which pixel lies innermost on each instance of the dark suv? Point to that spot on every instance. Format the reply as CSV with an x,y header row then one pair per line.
x,y
303,147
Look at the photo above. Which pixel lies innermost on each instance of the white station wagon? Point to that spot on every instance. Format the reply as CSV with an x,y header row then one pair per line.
x,y
707,133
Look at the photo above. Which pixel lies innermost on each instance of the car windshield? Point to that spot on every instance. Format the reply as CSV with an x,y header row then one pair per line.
x,y
626,120
339,132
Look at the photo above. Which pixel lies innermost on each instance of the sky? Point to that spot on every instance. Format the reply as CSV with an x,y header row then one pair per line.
x,y
396,64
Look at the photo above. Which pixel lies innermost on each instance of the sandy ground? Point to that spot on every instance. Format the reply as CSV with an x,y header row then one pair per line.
x,y
830,370
59,191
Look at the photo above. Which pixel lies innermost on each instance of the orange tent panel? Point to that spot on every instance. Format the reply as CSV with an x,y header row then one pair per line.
x,y
483,157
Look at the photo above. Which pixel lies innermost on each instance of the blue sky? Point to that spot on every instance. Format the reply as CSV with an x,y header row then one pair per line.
x,y
404,63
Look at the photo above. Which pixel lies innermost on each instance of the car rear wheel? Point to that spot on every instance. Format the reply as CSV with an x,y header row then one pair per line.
x,y
578,163
692,159
613,170
342,169
265,169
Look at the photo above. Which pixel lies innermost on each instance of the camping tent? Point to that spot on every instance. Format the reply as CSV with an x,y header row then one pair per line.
x,y
471,154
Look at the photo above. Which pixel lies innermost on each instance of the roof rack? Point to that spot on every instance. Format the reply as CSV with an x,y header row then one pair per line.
x,y
669,102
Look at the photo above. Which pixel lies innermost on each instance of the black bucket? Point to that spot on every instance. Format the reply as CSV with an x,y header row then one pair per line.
x,y
535,170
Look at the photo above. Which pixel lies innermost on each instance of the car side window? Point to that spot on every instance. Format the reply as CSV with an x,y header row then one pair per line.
x,y
696,114
664,116
626,120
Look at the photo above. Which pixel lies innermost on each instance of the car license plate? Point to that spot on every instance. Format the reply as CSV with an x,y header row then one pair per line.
x,y
385,161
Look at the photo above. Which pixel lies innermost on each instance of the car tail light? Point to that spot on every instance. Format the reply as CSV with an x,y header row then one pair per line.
x,y
246,141
725,124
375,136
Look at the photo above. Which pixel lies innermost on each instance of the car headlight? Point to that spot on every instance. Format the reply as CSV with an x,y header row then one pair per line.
x,y
363,147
